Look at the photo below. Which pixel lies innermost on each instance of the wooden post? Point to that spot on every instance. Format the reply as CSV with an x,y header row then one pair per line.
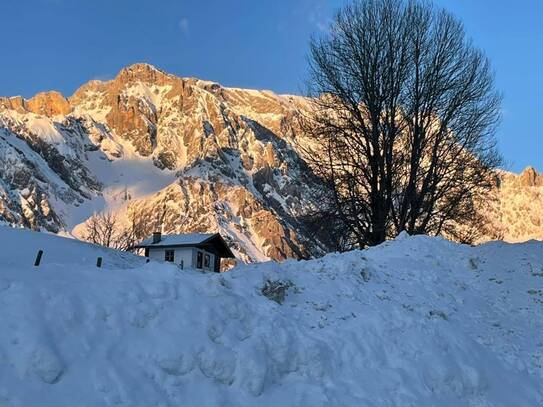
x,y
38,258
99,262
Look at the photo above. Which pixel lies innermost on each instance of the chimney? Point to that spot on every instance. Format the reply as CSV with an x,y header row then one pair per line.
x,y
157,236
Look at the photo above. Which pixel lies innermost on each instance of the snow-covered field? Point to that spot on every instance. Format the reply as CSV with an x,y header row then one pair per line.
x,y
414,322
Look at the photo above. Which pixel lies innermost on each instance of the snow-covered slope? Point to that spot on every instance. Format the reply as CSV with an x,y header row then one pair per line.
x,y
414,322
20,247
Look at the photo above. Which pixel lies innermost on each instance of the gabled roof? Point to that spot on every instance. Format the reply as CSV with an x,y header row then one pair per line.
x,y
202,240
174,240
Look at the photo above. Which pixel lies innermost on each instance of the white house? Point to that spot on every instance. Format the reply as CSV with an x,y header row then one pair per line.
x,y
194,250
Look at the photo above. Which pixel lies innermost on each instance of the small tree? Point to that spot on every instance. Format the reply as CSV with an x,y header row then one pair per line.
x,y
107,229
103,229
135,230
403,116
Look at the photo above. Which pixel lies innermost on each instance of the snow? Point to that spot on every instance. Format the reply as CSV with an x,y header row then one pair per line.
x,y
44,129
414,322
41,165
151,94
249,245
92,105
137,176
182,239
20,247
125,178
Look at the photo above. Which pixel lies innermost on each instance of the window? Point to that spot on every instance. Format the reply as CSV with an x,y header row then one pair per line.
x,y
169,255
199,257
207,260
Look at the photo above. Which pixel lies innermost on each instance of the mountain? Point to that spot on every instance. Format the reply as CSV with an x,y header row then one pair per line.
x,y
416,321
204,157
189,155
517,213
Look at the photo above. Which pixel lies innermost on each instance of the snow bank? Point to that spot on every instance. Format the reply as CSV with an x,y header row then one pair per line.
x,y
19,247
414,322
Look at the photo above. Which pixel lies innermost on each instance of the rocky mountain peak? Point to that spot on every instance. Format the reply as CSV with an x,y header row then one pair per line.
x,y
48,104
530,177
142,72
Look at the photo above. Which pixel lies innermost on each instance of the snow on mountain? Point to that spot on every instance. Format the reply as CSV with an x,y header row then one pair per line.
x,y
42,169
414,322
216,159
226,156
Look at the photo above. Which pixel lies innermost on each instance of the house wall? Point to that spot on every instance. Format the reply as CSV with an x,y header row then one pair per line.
x,y
211,259
188,255
181,254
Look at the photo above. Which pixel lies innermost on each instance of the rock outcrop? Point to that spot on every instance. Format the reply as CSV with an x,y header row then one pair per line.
x,y
48,104
516,214
530,178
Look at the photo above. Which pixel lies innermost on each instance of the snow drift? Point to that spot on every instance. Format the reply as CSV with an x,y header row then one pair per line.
x,y
414,322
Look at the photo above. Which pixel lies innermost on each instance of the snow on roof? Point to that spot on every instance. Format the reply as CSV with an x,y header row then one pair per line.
x,y
181,240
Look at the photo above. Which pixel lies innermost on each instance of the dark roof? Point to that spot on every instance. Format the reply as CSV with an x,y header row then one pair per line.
x,y
213,241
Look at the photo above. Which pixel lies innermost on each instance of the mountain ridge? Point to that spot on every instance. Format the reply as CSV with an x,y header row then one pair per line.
x,y
214,158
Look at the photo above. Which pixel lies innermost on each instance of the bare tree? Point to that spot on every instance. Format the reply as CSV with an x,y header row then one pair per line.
x,y
135,230
103,229
107,230
403,119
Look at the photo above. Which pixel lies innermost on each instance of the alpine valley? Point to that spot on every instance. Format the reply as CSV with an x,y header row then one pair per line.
x,y
206,157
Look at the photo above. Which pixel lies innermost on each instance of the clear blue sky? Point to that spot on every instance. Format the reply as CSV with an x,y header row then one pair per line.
x,y
60,44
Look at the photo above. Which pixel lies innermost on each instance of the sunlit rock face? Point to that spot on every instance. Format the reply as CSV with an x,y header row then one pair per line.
x,y
529,178
516,215
197,205
48,104
222,160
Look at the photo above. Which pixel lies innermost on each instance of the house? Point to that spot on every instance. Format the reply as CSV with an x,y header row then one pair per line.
x,y
193,250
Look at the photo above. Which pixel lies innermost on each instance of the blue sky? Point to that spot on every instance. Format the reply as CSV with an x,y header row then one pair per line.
x,y
60,44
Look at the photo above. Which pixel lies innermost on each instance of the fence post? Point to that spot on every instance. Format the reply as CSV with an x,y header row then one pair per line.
x,y
38,258
99,262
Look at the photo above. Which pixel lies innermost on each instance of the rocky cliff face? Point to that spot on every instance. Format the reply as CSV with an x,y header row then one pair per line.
x,y
219,159
42,169
517,213
527,178
203,157
46,103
